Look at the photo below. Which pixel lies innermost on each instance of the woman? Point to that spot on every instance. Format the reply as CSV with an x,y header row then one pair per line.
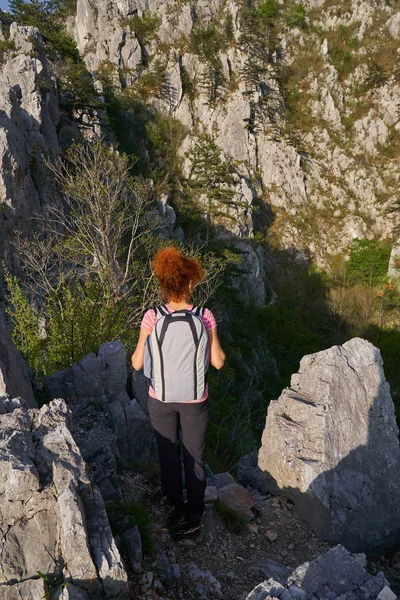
x,y
177,276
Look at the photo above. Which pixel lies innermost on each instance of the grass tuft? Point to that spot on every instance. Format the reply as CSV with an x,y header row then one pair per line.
x,y
233,521
118,510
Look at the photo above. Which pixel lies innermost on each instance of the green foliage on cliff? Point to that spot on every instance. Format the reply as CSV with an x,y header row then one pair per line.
x,y
268,12
211,177
27,328
368,261
6,46
207,43
49,18
77,85
145,27
297,17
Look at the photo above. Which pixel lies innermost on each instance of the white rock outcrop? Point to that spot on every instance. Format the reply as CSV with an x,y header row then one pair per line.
x,y
52,516
394,261
331,445
28,120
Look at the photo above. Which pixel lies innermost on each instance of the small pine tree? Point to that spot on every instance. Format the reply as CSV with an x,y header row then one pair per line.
x,y
212,177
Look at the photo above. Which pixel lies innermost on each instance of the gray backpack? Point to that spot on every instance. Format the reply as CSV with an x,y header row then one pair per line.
x,y
177,354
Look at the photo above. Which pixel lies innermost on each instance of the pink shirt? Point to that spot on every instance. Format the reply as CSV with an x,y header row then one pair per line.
x,y
150,319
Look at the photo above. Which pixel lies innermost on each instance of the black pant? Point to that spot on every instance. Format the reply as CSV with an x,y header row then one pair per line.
x,y
192,420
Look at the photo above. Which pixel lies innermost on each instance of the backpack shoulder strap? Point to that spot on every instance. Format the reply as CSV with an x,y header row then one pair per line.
x,y
198,311
160,311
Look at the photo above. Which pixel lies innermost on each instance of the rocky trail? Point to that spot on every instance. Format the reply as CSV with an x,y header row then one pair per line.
x,y
222,564
219,563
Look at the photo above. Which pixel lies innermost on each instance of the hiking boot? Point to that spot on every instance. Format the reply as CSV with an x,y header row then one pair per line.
x,y
193,523
176,523
190,529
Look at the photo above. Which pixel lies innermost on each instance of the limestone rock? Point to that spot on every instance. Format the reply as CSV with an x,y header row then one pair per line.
x,y
134,545
324,444
250,474
393,25
27,590
104,375
28,120
237,498
14,380
221,480
52,514
336,574
107,426
394,261
206,582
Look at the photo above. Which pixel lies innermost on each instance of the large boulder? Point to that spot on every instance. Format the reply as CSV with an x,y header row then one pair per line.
x,y
52,517
331,445
14,380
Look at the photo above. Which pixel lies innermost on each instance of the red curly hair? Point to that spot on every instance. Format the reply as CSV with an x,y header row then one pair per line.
x,y
176,272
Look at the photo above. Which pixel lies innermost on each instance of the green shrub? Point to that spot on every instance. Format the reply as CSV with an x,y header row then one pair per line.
x,y
26,324
79,317
6,46
49,18
368,261
205,42
141,517
76,83
188,88
268,12
297,17
154,82
376,76
145,27
341,59
165,135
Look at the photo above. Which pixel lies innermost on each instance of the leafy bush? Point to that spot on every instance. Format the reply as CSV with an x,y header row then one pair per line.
x,y
341,59
154,82
207,43
49,18
79,316
368,261
297,17
187,84
76,83
268,12
166,135
145,27
27,327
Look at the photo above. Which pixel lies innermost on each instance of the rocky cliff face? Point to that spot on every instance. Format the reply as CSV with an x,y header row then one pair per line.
x,y
29,118
328,165
308,119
